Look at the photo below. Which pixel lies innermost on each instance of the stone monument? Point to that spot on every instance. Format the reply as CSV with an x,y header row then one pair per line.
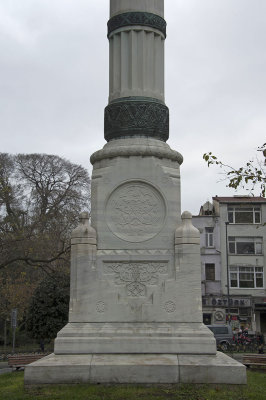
x,y
135,309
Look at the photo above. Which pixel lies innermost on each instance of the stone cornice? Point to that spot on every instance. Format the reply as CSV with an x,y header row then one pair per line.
x,y
136,147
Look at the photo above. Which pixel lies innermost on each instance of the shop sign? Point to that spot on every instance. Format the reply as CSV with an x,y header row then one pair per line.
x,y
223,302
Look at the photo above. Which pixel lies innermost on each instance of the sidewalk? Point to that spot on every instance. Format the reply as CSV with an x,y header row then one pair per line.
x,y
4,368
236,356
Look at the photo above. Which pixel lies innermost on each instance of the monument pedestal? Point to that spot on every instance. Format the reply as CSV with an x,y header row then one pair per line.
x,y
135,309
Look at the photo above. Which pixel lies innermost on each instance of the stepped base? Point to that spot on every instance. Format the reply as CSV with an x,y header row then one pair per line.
x,y
135,368
135,338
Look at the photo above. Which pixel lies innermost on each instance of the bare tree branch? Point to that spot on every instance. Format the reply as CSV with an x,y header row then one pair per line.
x,y
251,176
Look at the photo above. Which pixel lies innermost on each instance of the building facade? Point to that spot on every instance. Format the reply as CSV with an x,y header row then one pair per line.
x,y
233,245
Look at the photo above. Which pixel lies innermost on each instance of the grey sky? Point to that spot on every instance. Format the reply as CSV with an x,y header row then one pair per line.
x,y
54,82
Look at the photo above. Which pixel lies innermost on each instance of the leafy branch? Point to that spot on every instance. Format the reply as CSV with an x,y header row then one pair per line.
x,y
250,176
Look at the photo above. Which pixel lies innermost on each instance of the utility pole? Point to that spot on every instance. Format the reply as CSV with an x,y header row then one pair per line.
x,y
227,269
13,326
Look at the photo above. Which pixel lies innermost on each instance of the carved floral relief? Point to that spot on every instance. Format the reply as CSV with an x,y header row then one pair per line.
x,y
135,212
136,276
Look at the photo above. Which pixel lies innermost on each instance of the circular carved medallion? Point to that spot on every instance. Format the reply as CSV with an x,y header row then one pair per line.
x,y
135,212
100,307
170,307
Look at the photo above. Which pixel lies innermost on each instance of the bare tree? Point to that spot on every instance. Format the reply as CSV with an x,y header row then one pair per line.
x,y
41,197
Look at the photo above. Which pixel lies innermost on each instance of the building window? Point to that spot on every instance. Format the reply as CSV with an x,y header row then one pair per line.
x,y
244,312
245,245
210,272
248,277
244,215
209,237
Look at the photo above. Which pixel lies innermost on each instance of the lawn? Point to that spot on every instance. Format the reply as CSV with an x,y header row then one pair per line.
x,y
12,388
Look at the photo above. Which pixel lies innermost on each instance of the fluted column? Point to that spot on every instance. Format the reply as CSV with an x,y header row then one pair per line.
x,y
136,63
136,33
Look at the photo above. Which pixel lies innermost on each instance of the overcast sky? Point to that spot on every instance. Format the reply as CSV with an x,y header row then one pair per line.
x,y
54,82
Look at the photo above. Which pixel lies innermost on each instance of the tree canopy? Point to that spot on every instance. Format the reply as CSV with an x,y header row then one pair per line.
x,y
48,310
41,197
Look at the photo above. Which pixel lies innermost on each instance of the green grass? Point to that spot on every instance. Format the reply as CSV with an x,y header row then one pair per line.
x,y
12,388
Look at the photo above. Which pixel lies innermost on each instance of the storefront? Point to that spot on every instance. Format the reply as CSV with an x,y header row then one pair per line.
x,y
260,313
240,311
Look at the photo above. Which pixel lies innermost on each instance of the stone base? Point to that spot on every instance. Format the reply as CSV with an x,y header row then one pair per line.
x,y
135,368
135,338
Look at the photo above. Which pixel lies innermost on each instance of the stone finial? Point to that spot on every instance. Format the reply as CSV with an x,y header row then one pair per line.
x,y
186,233
84,229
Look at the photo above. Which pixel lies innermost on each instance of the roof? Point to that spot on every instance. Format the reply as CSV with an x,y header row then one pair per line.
x,y
240,199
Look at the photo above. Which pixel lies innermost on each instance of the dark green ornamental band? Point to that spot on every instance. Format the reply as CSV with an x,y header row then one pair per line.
x,y
137,18
136,116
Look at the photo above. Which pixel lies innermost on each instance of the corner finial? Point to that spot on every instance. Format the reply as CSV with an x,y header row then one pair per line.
x,y
186,233
83,217
84,229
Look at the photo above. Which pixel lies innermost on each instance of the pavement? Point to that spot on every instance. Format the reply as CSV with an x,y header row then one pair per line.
x,y
236,356
4,368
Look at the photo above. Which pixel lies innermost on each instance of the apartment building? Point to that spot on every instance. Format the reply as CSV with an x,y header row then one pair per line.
x,y
233,245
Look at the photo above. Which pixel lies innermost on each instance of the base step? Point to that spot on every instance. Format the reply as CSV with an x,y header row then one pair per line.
x,y
135,368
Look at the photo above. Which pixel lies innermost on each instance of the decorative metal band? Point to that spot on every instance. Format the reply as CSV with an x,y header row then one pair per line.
x,y
140,117
137,18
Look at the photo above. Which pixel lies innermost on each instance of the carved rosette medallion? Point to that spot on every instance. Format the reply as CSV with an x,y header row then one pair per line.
x,y
135,212
170,307
136,276
100,307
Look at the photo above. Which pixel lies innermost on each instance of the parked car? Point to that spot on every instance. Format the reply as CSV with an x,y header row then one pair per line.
x,y
223,335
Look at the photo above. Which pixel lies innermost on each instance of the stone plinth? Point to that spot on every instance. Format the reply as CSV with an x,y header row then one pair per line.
x,y
135,368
